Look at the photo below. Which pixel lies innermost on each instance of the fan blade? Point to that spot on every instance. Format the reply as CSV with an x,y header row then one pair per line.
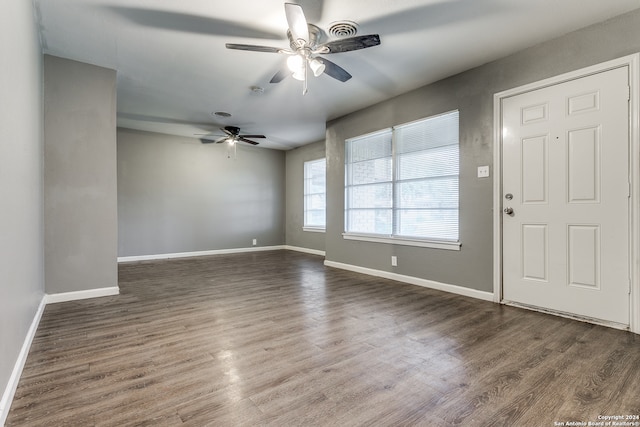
x,y
349,44
248,141
297,22
280,75
334,70
253,48
252,136
313,9
213,141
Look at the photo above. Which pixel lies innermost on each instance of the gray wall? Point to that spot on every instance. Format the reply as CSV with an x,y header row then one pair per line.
x,y
296,236
472,93
178,195
21,222
80,176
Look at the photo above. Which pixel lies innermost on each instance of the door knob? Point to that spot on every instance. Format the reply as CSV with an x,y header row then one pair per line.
x,y
508,211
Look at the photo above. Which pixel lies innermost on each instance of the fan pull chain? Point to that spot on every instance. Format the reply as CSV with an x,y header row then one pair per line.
x,y
234,149
304,83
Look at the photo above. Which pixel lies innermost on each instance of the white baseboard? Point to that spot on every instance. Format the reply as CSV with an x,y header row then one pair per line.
x,y
78,295
305,250
12,385
454,289
198,253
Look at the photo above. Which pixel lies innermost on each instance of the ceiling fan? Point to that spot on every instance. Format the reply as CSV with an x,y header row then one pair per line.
x,y
305,51
232,136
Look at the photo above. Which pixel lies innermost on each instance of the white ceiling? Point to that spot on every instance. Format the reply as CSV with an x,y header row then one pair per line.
x,y
174,70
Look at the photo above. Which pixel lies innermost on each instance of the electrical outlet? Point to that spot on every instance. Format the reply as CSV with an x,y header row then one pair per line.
x,y
255,242
394,261
483,171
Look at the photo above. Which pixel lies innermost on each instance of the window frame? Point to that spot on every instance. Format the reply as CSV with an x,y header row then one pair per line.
x,y
393,238
305,226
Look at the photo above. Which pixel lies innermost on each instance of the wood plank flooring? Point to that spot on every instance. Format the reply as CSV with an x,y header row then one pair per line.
x,y
277,339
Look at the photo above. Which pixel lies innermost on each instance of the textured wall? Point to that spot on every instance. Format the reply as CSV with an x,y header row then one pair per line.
x,y
80,176
21,223
296,236
178,195
471,93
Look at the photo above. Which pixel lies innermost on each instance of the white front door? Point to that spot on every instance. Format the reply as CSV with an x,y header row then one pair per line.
x,y
565,175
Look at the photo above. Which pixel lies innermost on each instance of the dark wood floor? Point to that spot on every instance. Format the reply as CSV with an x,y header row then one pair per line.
x,y
275,338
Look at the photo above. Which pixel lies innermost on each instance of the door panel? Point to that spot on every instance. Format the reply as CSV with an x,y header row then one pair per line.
x,y
584,256
535,252
584,165
534,170
566,171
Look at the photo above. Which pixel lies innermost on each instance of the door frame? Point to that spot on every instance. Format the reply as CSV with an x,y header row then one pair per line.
x,y
633,63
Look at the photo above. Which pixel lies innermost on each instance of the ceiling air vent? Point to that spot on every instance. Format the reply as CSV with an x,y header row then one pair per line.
x,y
343,29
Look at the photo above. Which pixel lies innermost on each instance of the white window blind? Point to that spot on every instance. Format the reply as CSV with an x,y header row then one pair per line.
x,y
369,186
403,182
315,173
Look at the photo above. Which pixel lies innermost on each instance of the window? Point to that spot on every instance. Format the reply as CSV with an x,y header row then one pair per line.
x,y
315,177
401,184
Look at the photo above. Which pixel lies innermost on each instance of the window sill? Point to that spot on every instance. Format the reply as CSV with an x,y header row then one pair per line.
x,y
313,229
434,244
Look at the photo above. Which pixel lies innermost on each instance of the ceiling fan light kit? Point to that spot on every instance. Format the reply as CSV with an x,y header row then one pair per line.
x,y
305,50
299,75
295,63
317,67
